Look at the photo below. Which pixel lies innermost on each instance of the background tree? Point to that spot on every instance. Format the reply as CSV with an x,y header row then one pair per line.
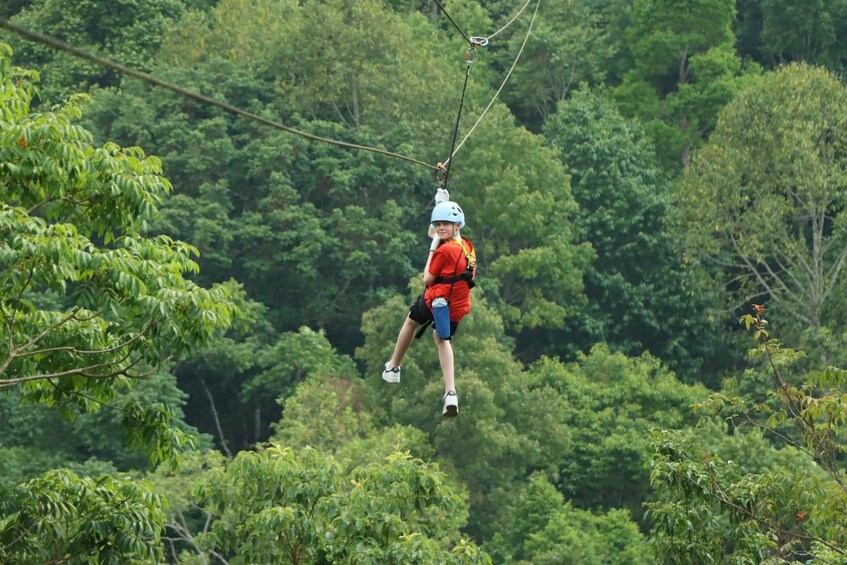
x,y
36,438
809,32
580,535
287,506
129,31
773,176
568,46
539,526
316,244
584,423
332,413
612,402
520,219
499,439
638,290
684,64
304,213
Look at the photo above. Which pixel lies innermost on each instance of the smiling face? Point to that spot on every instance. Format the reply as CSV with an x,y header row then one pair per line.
x,y
446,230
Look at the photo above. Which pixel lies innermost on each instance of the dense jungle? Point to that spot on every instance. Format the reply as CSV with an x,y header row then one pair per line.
x,y
214,220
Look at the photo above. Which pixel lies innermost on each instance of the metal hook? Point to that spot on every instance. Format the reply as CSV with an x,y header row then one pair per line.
x,y
441,174
481,41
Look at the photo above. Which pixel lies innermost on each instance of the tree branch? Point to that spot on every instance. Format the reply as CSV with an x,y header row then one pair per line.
x,y
215,417
82,372
716,492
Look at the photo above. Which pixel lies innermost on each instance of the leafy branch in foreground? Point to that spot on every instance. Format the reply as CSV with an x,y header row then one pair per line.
x,y
61,517
781,503
88,300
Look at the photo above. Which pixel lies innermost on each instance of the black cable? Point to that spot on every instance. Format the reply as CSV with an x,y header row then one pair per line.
x,y
455,25
456,129
503,84
62,46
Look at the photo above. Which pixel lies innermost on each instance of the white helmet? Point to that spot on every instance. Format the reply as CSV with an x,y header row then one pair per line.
x,y
448,212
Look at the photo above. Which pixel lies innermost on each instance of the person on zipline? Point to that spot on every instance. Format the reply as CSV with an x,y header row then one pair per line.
x,y
448,276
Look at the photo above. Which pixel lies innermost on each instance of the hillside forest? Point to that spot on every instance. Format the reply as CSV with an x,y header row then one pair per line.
x,y
214,220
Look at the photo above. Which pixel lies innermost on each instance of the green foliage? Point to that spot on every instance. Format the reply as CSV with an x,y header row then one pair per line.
x,y
239,378
569,45
321,221
612,402
505,427
129,31
72,222
763,200
639,294
61,517
665,33
324,412
213,376
279,505
12,7
273,214
708,508
348,77
520,209
811,32
573,250
684,70
185,517
135,426
585,423
768,504
288,361
540,527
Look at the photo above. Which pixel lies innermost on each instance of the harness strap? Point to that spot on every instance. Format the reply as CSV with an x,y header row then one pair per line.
x,y
467,274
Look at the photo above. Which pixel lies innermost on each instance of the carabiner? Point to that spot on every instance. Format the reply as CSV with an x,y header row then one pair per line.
x,y
441,174
480,41
470,56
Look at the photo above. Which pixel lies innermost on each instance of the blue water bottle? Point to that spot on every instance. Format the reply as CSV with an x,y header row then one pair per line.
x,y
441,315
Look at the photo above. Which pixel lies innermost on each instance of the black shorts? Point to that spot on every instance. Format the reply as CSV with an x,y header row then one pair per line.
x,y
419,313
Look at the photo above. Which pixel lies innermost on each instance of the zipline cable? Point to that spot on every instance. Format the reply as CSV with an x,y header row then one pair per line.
x,y
503,84
455,25
62,46
470,57
493,35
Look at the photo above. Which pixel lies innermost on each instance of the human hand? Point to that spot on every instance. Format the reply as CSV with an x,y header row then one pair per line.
x,y
441,195
436,241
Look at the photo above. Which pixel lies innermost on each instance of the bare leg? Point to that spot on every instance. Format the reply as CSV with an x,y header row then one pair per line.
x,y
445,357
404,340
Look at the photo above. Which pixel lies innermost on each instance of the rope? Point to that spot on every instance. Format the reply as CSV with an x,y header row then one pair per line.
x,y
469,57
493,35
455,25
503,84
62,46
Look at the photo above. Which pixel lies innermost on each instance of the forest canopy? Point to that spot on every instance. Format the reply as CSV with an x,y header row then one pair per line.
x,y
206,261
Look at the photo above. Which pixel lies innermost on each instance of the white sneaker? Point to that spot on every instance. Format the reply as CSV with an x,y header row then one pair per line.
x,y
451,405
391,374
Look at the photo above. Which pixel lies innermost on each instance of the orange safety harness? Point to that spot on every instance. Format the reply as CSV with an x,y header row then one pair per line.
x,y
470,268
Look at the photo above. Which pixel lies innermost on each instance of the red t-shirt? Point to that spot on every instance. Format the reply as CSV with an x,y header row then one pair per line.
x,y
449,261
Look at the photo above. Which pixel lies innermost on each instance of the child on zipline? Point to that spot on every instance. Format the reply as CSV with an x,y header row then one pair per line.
x,y
448,276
